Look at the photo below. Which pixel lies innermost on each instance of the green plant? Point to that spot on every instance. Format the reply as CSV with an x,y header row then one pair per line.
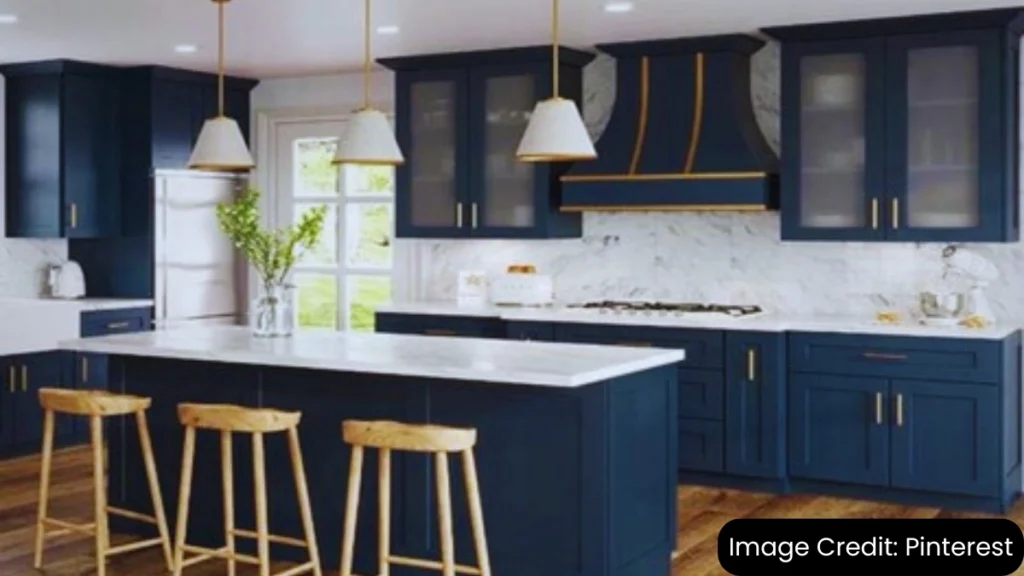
x,y
272,253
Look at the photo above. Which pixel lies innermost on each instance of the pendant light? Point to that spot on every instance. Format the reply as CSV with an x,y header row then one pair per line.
x,y
221,146
556,132
369,139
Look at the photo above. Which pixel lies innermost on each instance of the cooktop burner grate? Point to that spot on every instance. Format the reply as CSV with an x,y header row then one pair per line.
x,y
670,307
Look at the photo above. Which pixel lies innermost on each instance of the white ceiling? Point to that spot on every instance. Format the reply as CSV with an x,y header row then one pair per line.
x,y
268,38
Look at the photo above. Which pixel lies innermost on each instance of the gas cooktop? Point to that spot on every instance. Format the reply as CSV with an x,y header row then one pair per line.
x,y
667,308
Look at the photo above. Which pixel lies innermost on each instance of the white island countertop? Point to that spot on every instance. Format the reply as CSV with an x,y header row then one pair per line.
x,y
480,360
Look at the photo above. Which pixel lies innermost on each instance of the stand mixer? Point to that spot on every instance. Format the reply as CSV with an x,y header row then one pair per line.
x,y
979,272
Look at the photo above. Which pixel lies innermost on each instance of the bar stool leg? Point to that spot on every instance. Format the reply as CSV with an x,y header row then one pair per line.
x,y
154,487
355,477
476,513
444,514
187,460
384,522
228,480
44,488
99,483
302,495
262,528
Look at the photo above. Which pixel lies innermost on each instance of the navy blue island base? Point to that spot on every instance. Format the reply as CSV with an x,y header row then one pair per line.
x,y
575,481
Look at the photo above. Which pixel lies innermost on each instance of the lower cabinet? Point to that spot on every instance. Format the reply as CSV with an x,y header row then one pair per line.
x,y
436,325
21,416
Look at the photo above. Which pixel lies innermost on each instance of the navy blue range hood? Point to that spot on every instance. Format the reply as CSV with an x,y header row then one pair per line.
x,y
682,134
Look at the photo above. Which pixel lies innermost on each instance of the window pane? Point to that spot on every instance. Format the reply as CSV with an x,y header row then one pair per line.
x,y
325,253
369,180
365,294
318,301
314,174
368,235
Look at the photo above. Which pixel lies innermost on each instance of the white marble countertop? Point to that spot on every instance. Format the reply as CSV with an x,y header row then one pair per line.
x,y
761,323
501,361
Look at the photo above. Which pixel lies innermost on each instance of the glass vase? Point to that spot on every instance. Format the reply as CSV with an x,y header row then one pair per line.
x,y
273,311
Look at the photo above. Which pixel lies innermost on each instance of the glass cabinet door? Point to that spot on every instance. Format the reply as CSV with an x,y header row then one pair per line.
x,y
430,184
937,134
834,168
504,189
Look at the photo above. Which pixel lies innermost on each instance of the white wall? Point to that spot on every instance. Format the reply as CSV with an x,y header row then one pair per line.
x,y
22,262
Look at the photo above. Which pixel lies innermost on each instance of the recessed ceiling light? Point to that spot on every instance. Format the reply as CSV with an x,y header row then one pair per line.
x,y
618,7
186,48
8,18
387,30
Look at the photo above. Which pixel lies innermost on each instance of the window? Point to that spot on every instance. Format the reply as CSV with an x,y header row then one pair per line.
x,y
342,281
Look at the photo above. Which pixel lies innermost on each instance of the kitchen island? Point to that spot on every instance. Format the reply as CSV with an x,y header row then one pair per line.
x,y
577,443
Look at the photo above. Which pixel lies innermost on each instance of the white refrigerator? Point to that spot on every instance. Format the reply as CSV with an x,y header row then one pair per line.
x,y
200,279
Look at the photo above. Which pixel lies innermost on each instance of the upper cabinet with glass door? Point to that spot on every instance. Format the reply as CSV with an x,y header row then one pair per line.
x,y
901,129
459,119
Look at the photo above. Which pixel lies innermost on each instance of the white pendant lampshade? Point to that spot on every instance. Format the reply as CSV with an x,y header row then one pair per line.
x,y
221,147
556,133
369,140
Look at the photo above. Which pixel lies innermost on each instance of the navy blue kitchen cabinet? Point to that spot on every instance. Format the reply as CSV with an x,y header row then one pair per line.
x,y
755,404
437,325
63,150
21,417
459,118
901,129
933,421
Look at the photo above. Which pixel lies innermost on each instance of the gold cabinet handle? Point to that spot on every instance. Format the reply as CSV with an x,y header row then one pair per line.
x,y
118,325
437,332
634,344
85,369
24,378
874,213
473,214
895,213
899,409
878,407
13,381
74,215
884,356
458,214
751,365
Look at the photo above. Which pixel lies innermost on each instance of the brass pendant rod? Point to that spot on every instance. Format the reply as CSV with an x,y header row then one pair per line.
x,y
220,58
366,57
554,46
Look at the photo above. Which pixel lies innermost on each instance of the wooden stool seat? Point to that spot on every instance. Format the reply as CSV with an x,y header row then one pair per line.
x,y
91,402
438,440
408,437
228,420
97,404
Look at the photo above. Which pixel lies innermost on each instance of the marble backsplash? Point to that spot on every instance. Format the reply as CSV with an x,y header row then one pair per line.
x,y
23,265
718,257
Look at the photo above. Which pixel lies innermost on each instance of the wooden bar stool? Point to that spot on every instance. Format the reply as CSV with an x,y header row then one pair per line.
x,y
228,420
96,405
436,440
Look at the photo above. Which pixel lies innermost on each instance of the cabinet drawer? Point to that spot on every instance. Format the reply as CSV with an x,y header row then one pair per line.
x,y
435,325
701,394
701,445
107,322
704,348
956,359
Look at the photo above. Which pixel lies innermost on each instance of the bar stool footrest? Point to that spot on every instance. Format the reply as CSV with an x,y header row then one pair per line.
x,y
133,546
285,540
204,554
300,569
431,565
131,515
62,528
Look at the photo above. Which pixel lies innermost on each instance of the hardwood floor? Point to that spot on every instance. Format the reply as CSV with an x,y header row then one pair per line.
x,y
703,512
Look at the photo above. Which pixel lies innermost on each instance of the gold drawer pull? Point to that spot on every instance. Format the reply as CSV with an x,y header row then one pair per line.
x,y
884,356
874,213
85,369
899,409
118,325
635,344
24,378
438,332
751,365
878,407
